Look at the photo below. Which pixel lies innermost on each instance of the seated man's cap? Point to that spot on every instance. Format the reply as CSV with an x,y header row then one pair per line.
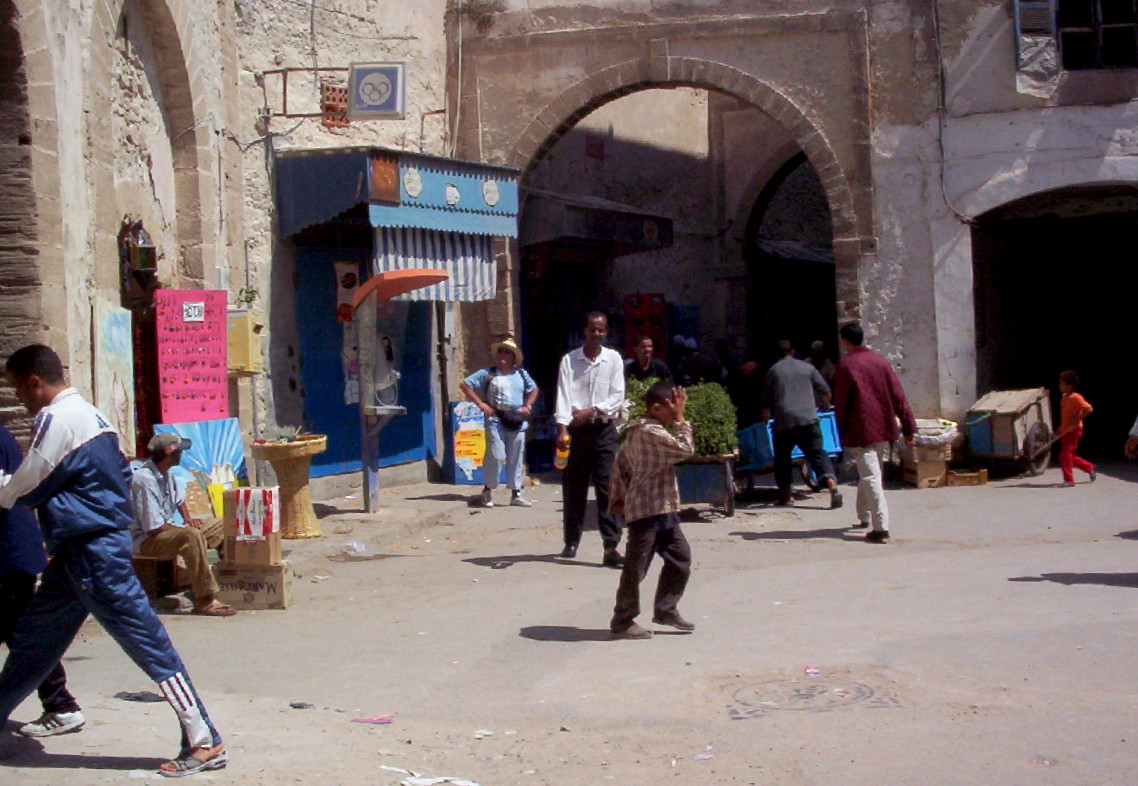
x,y
164,440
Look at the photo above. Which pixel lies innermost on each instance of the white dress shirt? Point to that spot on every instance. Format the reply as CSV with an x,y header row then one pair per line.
x,y
590,384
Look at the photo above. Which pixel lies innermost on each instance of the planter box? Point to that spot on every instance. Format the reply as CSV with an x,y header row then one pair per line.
x,y
708,479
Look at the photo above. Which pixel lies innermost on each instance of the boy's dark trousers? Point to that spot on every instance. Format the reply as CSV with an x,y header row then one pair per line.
x,y
653,535
16,589
592,450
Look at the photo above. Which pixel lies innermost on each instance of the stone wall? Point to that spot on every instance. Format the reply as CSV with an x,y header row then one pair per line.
x,y
278,36
126,112
19,275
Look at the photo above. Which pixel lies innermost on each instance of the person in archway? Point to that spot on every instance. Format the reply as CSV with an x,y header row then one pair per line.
x,y
868,401
1073,409
819,361
644,365
76,476
789,393
590,399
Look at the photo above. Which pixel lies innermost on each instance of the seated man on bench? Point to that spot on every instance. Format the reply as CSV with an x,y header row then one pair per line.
x,y
155,497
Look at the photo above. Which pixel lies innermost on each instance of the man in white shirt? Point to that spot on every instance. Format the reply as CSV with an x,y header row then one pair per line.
x,y
590,397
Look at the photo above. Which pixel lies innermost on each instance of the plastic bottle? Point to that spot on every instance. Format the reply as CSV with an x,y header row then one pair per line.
x,y
561,454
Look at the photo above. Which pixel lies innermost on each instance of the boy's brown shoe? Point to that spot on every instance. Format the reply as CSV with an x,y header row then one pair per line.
x,y
633,631
674,620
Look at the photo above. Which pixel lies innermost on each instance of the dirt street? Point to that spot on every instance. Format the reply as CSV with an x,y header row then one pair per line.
x,y
992,641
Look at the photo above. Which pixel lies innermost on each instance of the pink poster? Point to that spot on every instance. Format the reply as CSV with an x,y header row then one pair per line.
x,y
191,326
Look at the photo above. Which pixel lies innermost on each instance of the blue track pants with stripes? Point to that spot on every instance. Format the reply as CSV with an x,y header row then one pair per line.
x,y
92,574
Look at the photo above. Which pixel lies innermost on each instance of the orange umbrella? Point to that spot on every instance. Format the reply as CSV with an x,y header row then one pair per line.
x,y
390,283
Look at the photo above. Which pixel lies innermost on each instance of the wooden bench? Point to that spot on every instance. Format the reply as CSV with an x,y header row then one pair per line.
x,y
160,577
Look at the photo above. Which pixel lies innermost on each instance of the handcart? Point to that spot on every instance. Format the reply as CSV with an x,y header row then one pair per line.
x,y
1012,426
756,451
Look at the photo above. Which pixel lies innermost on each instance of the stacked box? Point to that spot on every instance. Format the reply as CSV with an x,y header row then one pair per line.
x,y
978,478
253,574
925,474
252,526
254,587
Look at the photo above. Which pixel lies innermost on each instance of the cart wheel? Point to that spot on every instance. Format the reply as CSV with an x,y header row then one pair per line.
x,y
809,478
1036,448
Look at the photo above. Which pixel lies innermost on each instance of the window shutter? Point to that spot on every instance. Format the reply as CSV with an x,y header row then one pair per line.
x,y
1035,28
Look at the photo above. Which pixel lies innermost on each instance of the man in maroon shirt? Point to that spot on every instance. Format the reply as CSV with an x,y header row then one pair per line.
x,y
868,400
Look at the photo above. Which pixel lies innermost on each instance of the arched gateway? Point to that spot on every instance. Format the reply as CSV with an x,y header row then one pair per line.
x,y
551,81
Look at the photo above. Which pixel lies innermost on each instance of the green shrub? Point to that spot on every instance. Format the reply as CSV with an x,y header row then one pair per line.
x,y
709,409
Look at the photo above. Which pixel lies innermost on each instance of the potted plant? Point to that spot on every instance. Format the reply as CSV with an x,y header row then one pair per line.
x,y
708,476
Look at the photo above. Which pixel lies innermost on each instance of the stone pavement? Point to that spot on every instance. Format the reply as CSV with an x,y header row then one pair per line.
x,y
991,642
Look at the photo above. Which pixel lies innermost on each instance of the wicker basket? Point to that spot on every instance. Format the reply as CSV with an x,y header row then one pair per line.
x,y
290,462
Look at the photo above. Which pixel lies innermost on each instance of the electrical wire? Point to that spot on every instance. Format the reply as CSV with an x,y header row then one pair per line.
x,y
942,110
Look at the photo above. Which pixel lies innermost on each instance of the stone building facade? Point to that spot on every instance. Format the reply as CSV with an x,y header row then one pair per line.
x,y
920,121
954,166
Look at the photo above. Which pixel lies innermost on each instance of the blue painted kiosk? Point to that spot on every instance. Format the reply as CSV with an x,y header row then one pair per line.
x,y
350,215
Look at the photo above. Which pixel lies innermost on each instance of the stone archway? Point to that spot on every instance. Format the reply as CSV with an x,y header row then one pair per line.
x,y
183,106
611,83
19,225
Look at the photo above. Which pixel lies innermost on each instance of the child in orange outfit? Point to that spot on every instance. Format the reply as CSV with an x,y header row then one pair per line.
x,y
1073,408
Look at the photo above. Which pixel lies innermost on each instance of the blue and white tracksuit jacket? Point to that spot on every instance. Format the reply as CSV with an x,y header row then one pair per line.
x,y
78,479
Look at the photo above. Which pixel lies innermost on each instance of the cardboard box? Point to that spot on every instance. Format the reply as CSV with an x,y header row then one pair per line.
x,y
967,478
253,552
250,587
252,526
925,474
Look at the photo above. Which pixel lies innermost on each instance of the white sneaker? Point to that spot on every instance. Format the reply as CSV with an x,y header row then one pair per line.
x,y
53,723
485,499
519,501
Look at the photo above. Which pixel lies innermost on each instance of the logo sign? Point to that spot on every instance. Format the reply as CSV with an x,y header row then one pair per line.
x,y
193,312
375,91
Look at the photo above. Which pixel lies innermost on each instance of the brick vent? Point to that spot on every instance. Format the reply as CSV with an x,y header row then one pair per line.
x,y
334,105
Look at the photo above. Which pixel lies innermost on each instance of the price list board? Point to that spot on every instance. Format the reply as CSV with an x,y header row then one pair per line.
x,y
192,375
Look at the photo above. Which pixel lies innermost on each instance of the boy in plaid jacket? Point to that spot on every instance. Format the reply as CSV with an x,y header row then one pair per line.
x,y
645,493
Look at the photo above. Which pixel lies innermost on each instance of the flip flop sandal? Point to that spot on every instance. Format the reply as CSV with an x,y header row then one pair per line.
x,y
188,764
220,610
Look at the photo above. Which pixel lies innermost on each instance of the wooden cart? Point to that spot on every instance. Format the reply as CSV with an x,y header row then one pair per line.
x,y
1012,426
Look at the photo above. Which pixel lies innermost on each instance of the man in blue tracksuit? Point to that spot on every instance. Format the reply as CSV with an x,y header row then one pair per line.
x,y
77,477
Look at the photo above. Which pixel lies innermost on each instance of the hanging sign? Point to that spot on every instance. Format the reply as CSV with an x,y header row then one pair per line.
x,y
192,343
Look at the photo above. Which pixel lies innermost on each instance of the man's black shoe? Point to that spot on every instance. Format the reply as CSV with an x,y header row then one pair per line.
x,y
570,551
876,536
613,559
675,621
835,500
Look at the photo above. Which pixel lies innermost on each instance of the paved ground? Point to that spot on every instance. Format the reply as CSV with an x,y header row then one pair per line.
x,y
992,642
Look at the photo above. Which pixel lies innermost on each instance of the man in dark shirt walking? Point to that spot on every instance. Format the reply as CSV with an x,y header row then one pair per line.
x,y
22,558
789,393
868,401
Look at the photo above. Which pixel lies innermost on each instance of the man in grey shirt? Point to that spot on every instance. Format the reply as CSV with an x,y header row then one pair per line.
x,y
789,392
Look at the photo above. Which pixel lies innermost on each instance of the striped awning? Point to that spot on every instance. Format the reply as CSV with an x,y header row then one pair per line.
x,y
467,259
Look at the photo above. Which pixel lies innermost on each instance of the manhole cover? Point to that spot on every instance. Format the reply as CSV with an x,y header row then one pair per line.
x,y
820,695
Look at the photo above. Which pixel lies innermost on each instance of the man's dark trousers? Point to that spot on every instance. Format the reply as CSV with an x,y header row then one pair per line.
x,y
16,589
592,450
654,535
808,438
